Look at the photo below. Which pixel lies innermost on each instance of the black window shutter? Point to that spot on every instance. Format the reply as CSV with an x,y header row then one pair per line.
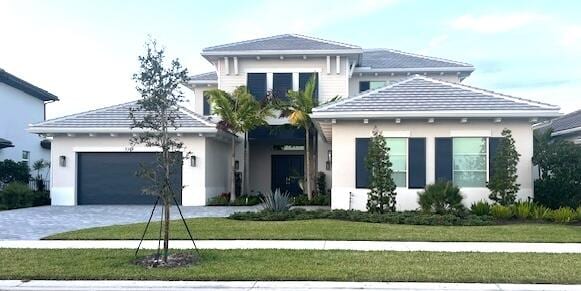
x,y
493,146
281,84
417,163
444,159
361,172
207,106
363,86
304,78
256,85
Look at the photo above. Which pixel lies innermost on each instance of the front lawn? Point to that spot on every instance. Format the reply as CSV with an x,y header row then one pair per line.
x,y
321,229
99,264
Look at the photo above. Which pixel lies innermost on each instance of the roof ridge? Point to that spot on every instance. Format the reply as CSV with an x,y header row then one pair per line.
x,y
325,40
501,95
420,56
245,41
366,93
80,113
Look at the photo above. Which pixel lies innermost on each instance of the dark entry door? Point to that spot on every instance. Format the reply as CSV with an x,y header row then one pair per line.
x,y
110,178
287,170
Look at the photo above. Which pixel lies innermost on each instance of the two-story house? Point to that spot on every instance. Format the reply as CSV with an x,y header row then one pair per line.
x,y
21,105
436,127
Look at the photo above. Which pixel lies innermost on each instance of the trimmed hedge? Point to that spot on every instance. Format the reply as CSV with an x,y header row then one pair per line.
x,y
18,195
407,217
224,200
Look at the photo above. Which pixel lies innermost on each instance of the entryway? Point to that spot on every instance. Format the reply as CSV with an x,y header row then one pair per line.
x,y
287,171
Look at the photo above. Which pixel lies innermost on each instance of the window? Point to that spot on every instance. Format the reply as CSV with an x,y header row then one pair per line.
x,y
398,151
469,161
370,85
25,156
207,106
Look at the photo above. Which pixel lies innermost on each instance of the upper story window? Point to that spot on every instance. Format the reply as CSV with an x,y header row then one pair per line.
x,y
256,84
207,107
304,78
281,84
25,156
370,85
469,161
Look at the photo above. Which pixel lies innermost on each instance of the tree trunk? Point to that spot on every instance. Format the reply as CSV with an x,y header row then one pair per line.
x,y
167,206
246,158
308,161
233,164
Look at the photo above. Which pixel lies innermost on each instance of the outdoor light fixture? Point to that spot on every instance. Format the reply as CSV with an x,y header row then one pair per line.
x,y
62,161
236,165
329,159
193,161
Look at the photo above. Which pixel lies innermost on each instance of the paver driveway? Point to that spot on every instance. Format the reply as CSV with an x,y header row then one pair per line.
x,y
38,222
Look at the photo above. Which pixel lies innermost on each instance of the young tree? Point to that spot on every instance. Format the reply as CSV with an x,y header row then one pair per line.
x,y
381,197
502,185
156,114
240,113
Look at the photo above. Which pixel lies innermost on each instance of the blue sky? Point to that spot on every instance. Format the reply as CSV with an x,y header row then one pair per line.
x,y
85,52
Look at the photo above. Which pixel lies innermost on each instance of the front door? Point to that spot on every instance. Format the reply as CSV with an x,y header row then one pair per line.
x,y
287,171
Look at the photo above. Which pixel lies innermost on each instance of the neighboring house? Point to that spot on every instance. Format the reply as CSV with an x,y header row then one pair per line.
x,y
436,127
567,127
21,105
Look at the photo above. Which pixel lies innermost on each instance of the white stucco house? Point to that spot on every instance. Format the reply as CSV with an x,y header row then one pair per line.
x,y
437,128
21,105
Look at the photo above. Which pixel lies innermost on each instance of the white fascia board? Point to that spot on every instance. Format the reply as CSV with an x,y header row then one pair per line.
x,y
426,114
282,52
203,82
429,69
566,131
116,130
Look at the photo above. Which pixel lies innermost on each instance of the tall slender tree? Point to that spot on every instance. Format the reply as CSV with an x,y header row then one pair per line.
x,y
240,113
381,196
156,114
502,185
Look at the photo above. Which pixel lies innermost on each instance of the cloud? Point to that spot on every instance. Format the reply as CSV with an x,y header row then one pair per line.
x,y
495,23
571,36
300,16
434,44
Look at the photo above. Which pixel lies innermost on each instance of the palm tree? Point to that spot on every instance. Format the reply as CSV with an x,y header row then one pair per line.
x,y
240,113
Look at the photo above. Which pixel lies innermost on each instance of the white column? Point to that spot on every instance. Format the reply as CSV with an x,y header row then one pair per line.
x,y
295,81
236,66
328,65
338,65
226,66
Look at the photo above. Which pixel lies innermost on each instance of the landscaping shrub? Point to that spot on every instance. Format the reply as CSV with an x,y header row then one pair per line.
x,y
540,212
11,171
303,199
16,195
224,200
321,183
442,197
276,201
480,208
578,212
563,215
501,212
407,217
523,209
502,185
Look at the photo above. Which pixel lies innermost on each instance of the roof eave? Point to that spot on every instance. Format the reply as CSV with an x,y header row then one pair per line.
x,y
203,82
566,131
280,52
435,114
424,69
43,130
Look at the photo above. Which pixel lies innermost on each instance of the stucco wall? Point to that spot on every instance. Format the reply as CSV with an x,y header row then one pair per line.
x,y
344,193
17,111
356,78
63,186
196,104
217,167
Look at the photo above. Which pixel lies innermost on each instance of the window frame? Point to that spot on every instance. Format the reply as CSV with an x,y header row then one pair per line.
x,y
406,159
486,161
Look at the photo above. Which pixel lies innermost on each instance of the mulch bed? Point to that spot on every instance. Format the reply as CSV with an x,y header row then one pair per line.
x,y
173,260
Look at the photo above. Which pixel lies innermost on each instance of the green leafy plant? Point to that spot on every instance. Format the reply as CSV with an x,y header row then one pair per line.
x,y
441,197
502,185
224,200
303,199
501,212
11,171
578,212
480,208
563,215
381,197
276,201
16,195
523,209
540,212
321,183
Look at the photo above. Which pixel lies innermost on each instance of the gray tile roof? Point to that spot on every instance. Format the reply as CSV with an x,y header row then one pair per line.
x,y
568,121
26,87
391,59
117,116
282,42
423,94
209,76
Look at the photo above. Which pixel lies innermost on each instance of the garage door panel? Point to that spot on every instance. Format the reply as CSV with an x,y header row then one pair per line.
x,y
110,178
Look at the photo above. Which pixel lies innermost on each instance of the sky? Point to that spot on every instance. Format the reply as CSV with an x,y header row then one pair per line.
x,y
85,52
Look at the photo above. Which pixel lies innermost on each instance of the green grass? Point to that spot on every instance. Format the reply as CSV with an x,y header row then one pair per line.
x,y
221,228
297,265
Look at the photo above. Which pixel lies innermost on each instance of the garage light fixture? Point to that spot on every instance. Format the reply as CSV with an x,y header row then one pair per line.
x,y
62,161
193,161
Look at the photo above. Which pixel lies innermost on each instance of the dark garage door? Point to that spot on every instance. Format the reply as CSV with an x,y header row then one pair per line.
x,y
109,178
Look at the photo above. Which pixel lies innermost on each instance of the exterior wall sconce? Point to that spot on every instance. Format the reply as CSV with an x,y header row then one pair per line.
x,y
236,165
193,161
329,160
62,161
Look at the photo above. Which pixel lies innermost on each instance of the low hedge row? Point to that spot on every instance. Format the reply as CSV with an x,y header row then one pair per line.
x,y
406,217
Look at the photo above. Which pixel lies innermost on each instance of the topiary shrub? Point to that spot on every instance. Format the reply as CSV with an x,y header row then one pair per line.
x,y
501,212
563,215
16,195
480,208
442,197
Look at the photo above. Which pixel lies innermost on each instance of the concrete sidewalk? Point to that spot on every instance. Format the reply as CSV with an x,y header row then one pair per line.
x,y
269,285
485,247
